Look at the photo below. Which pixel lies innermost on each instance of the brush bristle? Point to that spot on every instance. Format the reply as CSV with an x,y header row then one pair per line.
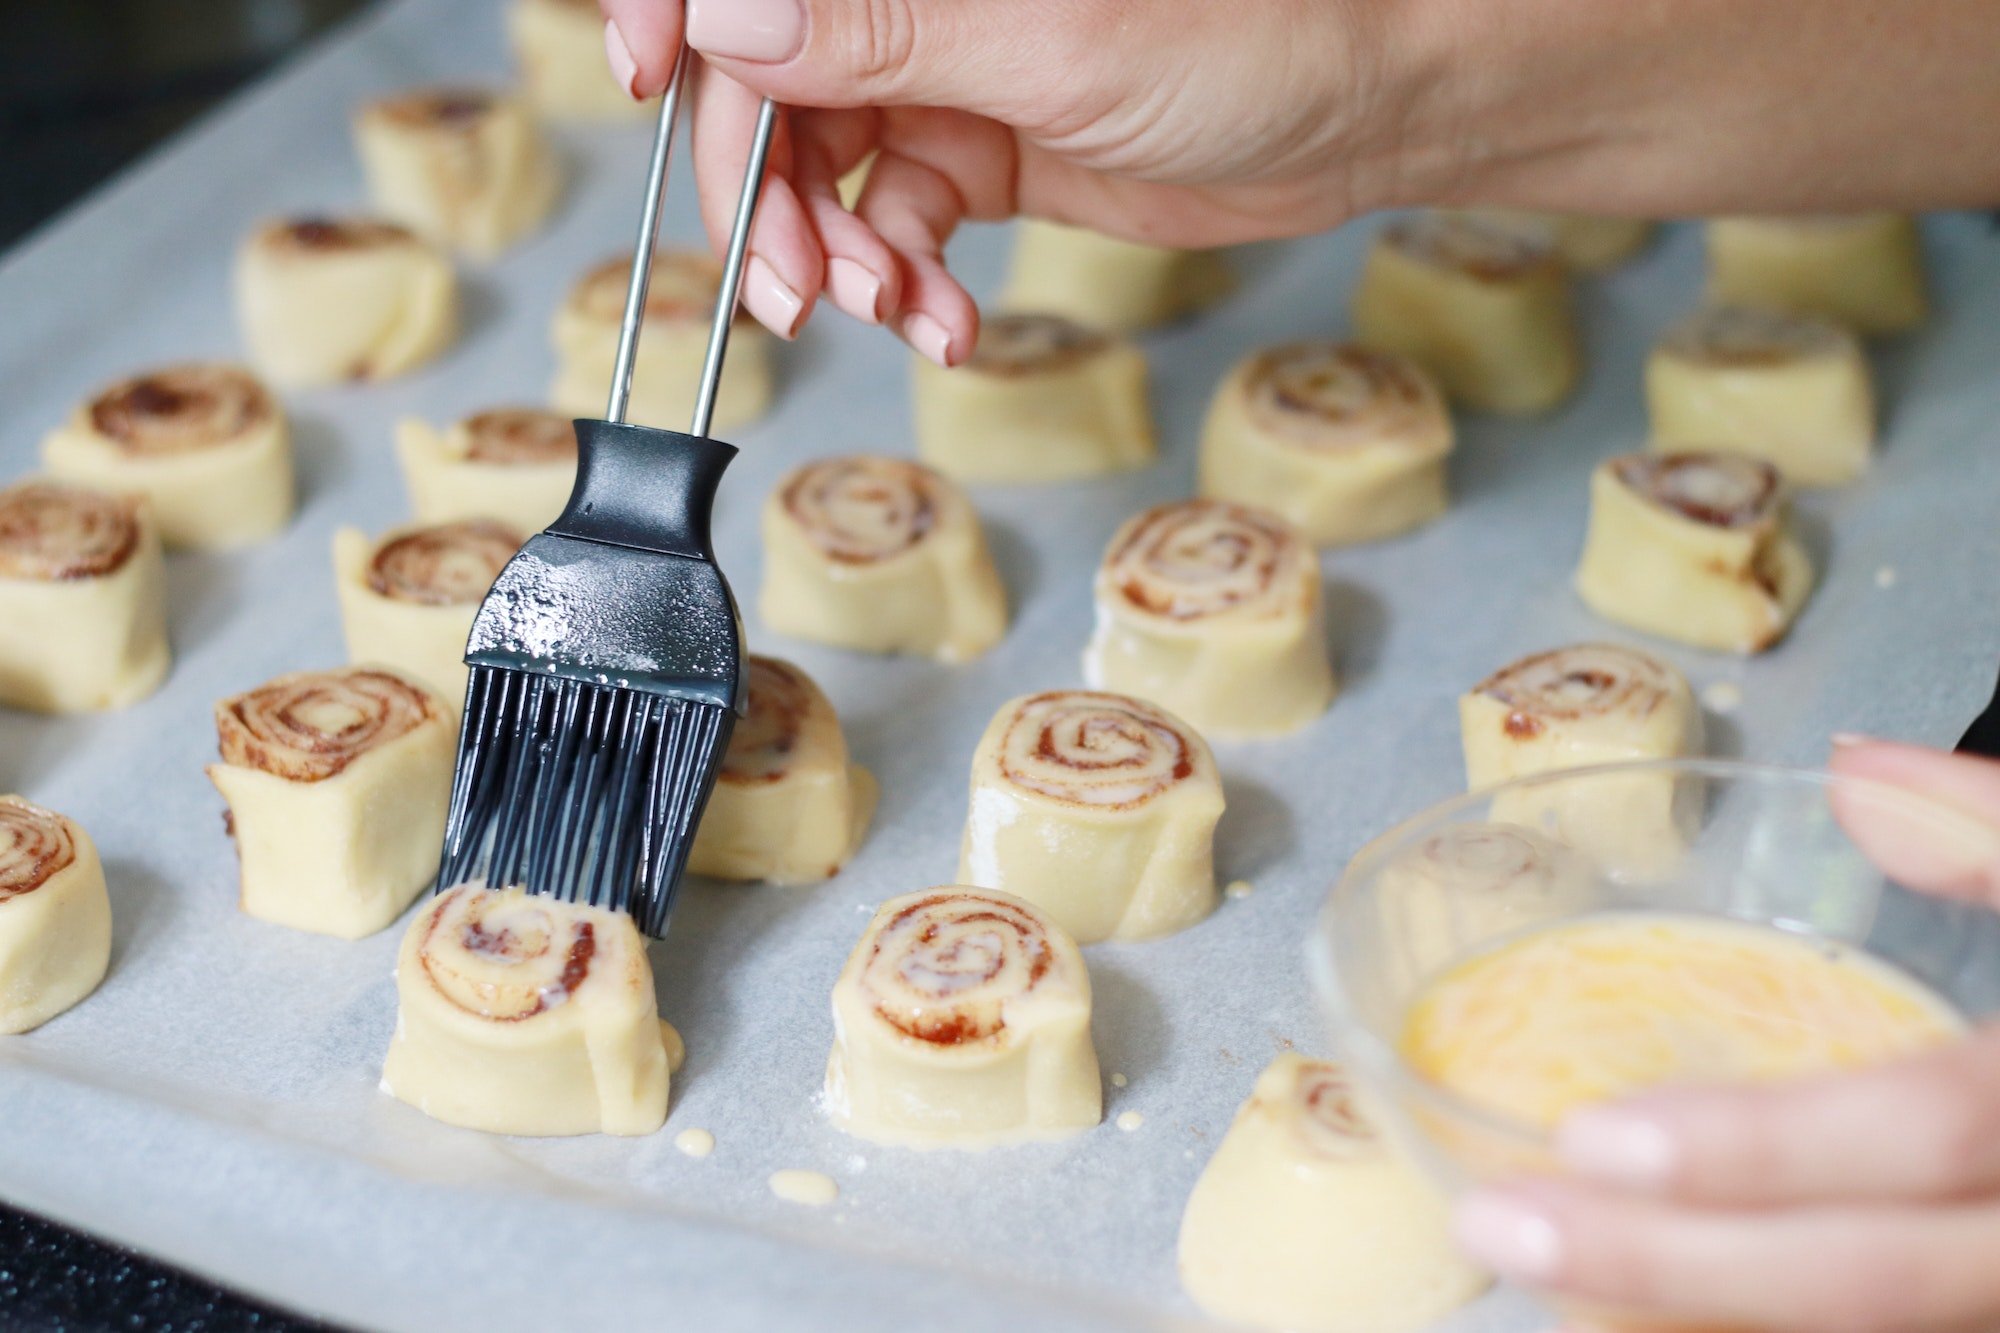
x,y
584,793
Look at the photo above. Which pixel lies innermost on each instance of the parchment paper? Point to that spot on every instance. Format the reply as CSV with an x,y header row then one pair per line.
x,y
216,1101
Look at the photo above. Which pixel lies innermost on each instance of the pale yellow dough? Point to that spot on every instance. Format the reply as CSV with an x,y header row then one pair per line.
x,y
788,807
1483,306
522,1015
880,555
1214,611
323,302
336,783
1308,1218
408,600
1347,444
467,168
673,344
82,599
1587,244
1865,271
1694,547
962,1020
206,444
55,916
1793,390
1108,283
515,465
559,45
1099,809
1040,399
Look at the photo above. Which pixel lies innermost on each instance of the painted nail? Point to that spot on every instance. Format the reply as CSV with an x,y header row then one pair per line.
x,y
855,289
929,338
623,67
763,30
770,300
1512,1238
1618,1147
1843,739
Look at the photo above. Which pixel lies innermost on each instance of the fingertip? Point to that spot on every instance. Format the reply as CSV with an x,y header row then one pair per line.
x,y
642,41
1509,1234
929,338
1619,1146
772,300
856,289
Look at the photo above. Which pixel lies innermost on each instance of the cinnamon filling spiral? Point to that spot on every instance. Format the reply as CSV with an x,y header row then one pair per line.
x,y
1721,490
1331,1124
333,235
1329,395
944,969
1493,859
35,846
1743,337
1100,750
1485,249
1201,558
862,510
1589,680
683,287
505,956
519,437
181,409
761,745
55,532
1019,345
309,726
449,564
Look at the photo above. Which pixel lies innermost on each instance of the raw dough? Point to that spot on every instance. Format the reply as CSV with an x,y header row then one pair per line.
x,y
1865,271
559,45
1109,283
55,916
1587,244
464,167
408,600
516,465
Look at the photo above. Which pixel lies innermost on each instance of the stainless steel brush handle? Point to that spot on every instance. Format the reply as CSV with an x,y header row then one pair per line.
x,y
642,249
732,268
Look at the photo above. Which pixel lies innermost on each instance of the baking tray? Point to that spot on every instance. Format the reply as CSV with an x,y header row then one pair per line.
x,y
215,1102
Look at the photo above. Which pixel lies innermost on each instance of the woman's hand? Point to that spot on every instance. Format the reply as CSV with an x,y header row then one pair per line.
x,y
1854,1203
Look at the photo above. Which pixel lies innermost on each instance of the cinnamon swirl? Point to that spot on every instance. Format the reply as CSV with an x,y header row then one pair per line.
x,y
1308,1217
1864,271
666,371
879,555
1041,399
1482,305
962,1019
1109,283
205,443
524,1015
1347,444
408,599
1793,390
559,46
55,917
788,807
513,464
464,167
1098,808
336,783
82,597
1695,547
1214,610
324,301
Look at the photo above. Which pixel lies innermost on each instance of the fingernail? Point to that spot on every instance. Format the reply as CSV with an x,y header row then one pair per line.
x,y
1509,1237
1618,1148
928,337
762,30
855,289
768,298
623,67
1843,739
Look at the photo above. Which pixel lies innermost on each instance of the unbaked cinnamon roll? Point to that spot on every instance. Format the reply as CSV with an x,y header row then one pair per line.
x,y
1311,1218
1586,244
408,599
205,443
523,1015
82,599
1695,547
515,465
1215,611
465,167
559,46
1042,398
1483,306
1109,283
1865,271
788,807
673,344
323,301
880,555
962,1019
1793,390
1347,444
1099,809
55,916
336,783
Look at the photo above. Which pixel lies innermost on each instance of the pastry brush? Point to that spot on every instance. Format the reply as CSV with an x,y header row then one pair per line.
x,y
607,660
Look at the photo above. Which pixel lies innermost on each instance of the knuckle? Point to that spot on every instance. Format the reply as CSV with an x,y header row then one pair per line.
x,y
882,41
